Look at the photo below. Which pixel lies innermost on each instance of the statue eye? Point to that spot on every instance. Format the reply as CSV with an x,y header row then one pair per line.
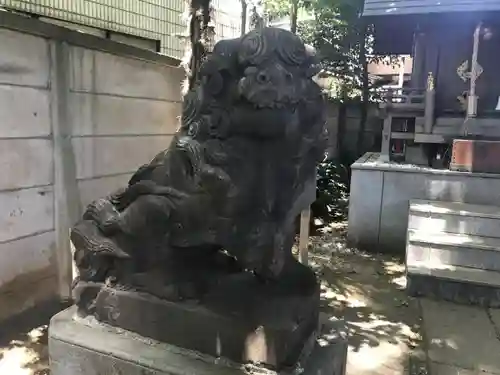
x,y
262,77
193,129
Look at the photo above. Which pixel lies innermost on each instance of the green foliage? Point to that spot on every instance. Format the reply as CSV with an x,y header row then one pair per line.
x,y
332,192
342,39
339,35
276,9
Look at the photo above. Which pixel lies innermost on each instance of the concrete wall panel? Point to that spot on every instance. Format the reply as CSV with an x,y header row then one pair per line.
x,y
398,189
26,255
26,212
107,115
24,112
93,189
103,156
25,163
109,112
104,73
27,60
364,207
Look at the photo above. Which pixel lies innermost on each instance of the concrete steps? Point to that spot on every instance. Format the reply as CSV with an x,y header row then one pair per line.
x,y
453,252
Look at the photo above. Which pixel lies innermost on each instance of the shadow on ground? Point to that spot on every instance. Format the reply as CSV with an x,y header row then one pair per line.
x,y
23,341
367,291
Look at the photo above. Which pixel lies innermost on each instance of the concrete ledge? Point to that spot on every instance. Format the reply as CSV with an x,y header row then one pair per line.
x,y
454,209
466,293
12,21
85,347
372,161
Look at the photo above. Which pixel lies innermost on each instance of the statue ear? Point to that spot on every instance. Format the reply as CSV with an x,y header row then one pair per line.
x,y
210,74
214,83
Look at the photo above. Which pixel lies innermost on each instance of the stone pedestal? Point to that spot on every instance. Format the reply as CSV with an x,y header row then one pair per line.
x,y
238,317
83,346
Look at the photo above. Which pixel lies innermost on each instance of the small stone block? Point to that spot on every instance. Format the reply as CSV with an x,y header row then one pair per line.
x,y
460,292
83,346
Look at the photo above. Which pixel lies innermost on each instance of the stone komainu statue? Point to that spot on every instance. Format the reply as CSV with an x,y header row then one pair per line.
x,y
218,204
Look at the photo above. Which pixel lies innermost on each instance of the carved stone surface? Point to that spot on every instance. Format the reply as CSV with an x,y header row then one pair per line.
x,y
209,223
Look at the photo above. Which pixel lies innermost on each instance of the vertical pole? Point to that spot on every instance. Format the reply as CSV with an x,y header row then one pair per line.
x,y
305,218
430,95
66,196
401,76
418,69
472,98
385,151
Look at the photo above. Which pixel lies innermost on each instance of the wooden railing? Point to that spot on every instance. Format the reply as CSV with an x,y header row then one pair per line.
x,y
404,98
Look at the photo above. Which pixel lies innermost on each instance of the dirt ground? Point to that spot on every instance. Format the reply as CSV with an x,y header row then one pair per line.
x,y
365,290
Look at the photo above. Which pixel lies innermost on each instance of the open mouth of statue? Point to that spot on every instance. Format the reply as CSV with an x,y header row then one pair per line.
x,y
266,101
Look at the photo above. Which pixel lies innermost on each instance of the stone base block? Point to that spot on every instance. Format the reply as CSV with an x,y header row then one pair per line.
x,y
237,317
453,291
83,346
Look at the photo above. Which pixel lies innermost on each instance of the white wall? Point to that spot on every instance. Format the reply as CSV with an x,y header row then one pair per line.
x,y
94,128
123,112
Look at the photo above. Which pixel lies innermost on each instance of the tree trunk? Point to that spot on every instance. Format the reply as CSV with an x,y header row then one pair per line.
x,y
200,36
243,16
365,96
256,18
342,122
293,16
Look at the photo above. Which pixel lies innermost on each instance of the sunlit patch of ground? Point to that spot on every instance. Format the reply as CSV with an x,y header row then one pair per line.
x,y
368,292
26,356
23,341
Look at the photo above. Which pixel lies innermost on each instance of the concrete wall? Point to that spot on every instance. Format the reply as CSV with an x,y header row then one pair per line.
x,y
380,194
351,124
78,116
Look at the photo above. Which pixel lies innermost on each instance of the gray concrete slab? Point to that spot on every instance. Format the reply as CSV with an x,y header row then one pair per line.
x,y
399,184
494,315
460,338
443,369
86,347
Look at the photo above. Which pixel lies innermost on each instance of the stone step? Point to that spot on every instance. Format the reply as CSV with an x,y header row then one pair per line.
x,y
454,240
452,217
445,249
456,273
463,285
453,252
454,208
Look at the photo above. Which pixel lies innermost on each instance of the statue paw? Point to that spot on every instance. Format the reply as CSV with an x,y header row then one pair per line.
x,y
102,211
87,236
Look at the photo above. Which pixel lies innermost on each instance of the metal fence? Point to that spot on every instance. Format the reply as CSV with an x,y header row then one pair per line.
x,y
157,20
